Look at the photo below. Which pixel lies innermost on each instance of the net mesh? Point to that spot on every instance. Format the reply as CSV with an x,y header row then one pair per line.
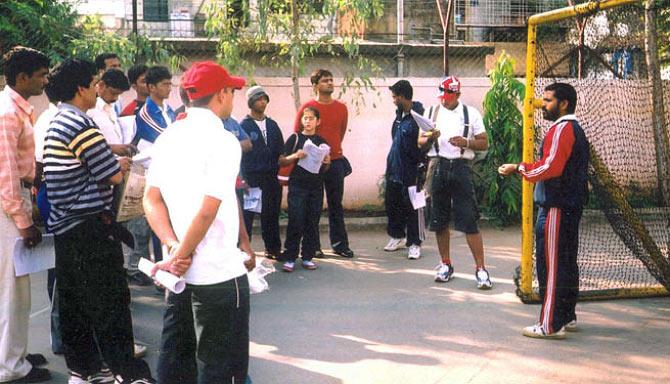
x,y
624,238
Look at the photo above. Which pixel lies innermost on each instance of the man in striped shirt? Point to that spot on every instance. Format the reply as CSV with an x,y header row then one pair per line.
x,y
561,190
26,71
80,170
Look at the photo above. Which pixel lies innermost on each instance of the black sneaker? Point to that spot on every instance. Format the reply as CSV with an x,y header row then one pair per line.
x,y
319,254
36,375
36,359
345,252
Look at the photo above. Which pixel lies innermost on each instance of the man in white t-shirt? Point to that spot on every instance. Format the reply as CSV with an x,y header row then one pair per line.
x,y
191,205
459,132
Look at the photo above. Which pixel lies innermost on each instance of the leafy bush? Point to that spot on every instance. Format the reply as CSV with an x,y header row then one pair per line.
x,y
500,196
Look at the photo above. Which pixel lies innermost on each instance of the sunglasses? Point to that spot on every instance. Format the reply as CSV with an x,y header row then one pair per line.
x,y
442,89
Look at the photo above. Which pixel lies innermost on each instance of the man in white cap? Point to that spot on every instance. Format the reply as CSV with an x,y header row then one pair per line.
x,y
260,167
459,132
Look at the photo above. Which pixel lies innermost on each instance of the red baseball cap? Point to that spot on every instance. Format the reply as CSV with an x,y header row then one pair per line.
x,y
207,77
450,84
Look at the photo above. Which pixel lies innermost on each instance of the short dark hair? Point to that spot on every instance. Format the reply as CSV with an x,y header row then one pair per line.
x,y
68,76
318,74
157,74
23,60
115,78
100,60
315,111
203,101
564,91
402,88
183,95
51,93
135,72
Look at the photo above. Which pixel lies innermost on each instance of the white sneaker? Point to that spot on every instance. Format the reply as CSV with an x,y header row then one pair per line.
x,y
444,272
76,378
571,326
105,376
536,331
414,252
394,244
483,279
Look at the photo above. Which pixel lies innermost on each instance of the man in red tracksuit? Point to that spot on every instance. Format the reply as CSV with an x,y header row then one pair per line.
x,y
561,191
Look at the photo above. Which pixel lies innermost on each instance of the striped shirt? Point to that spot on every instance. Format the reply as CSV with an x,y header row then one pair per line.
x,y
77,164
17,155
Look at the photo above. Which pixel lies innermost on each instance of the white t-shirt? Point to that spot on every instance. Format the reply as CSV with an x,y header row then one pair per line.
x,y
450,123
195,158
262,125
40,128
106,119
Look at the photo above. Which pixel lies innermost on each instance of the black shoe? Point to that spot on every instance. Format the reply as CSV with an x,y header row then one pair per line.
x,y
140,279
36,375
36,359
345,252
272,255
319,254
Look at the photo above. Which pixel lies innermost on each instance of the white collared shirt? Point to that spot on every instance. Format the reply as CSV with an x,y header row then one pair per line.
x,y
106,119
450,123
207,165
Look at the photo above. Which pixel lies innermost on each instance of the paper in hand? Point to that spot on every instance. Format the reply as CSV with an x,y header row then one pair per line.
x,y
424,123
36,259
418,199
315,155
253,200
173,283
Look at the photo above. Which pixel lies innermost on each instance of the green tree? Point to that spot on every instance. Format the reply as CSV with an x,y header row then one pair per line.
x,y
45,25
287,33
504,124
663,29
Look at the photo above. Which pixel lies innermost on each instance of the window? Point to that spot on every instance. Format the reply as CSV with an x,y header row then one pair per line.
x,y
155,10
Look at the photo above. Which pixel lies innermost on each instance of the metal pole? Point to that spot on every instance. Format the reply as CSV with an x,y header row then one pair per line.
x,y
661,143
135,17
445,35
400,21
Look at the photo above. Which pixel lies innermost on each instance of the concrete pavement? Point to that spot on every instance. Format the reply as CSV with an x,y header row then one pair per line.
x,y
380,318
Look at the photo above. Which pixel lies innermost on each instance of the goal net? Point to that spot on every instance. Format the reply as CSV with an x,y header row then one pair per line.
x,y
624,237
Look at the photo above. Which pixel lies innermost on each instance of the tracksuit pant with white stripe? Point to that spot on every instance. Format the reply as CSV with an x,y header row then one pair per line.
x,y
556,242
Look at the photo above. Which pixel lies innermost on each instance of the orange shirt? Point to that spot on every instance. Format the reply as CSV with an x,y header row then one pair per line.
x,y
17,154
334,119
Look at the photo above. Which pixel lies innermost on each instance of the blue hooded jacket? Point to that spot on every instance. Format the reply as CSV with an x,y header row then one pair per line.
x,y
405,154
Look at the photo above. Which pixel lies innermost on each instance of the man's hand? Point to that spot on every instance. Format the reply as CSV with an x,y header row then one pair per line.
x,y
326,160
125,163
507,169
175,266
251,263
458,141
31,236
123,149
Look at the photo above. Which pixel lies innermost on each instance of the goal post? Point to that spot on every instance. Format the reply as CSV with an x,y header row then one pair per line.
x,y
644,246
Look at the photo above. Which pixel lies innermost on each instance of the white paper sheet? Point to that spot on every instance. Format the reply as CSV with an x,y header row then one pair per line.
x,y
252,200
128,128
173,283
36,259
418,199
424,123
130,203
315,155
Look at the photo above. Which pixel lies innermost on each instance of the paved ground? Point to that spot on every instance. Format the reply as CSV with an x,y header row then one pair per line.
x,y
380,318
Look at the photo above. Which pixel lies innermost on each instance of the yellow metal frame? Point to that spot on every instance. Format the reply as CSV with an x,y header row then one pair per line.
x,y
530,104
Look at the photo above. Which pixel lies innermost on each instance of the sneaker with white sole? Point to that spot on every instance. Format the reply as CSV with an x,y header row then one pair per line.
x,y
571,326
483,279
537,331
105,376
288,266
394,244
309,265
444,273
414,252
76,378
